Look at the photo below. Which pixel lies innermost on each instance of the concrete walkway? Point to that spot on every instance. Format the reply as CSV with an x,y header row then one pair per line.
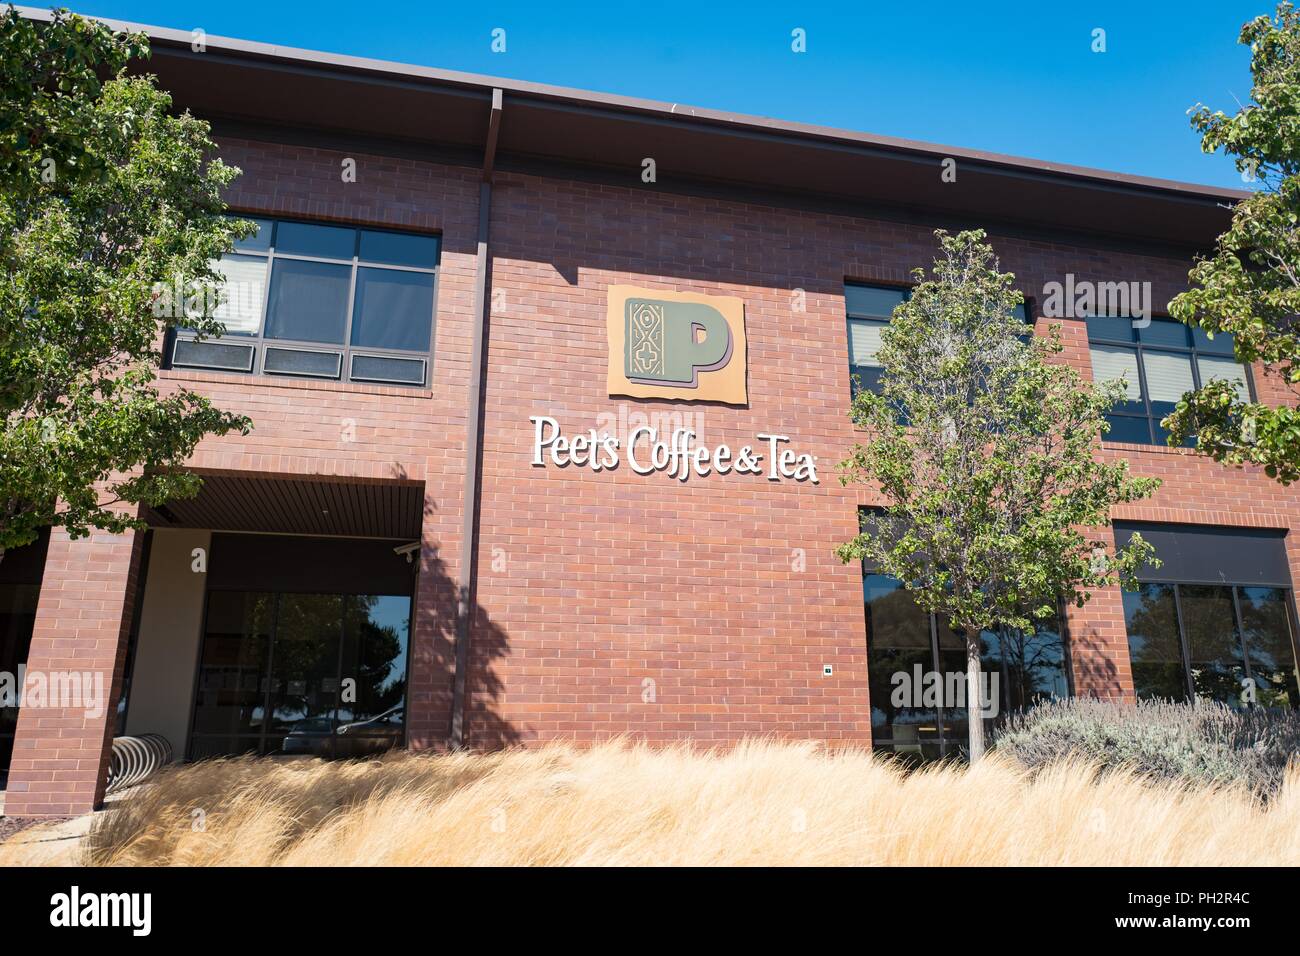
x,y
52,843
47,844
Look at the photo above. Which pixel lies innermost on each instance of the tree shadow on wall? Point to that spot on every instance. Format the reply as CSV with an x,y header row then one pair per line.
x,y
433,665
1093,660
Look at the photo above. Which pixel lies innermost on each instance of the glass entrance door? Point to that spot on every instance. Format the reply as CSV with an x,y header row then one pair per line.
x,y
320,674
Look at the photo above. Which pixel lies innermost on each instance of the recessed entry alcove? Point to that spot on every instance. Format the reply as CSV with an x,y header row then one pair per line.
x,y
274,617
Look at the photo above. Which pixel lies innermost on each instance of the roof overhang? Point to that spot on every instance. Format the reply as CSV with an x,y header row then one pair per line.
x,y
280,88
302,505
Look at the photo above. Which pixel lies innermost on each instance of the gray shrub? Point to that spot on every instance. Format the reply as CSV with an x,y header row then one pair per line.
x,y
1200,743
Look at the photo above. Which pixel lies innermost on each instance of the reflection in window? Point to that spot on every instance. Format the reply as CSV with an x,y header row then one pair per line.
x,y
374,655
1214,647
1224,643
898,641
231,696
321,674
1155,650
903,640
1035,665
952,661
1159,363
1266,630
305,663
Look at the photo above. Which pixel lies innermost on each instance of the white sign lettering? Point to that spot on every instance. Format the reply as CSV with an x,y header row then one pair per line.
x,y
677,455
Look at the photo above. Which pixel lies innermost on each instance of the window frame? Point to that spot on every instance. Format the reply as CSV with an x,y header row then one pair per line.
x,y
1235,588
266,670
1140,349
344,352
850,317
950,744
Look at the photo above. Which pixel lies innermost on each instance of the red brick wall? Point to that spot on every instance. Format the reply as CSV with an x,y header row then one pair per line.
x,y
611,603
590,584
60,758
363,431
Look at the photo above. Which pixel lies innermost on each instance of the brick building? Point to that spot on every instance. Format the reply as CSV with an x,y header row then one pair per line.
x,y
395,556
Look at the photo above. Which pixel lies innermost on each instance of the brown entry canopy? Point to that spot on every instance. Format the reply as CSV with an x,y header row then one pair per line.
x,y
305,506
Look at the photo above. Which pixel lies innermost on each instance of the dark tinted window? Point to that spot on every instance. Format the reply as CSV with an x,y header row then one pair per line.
x,y
339,302
1163,332
308,301
323,242
1155,651
1221,344
1213,643
1231,643
318,674
869,309
906,647
1266,629
393,310
399,249
260,241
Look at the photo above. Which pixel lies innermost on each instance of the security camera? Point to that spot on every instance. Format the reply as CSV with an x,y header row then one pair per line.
x,y
408,550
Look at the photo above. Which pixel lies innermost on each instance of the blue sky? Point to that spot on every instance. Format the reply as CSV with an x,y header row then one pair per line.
x,y
1017,78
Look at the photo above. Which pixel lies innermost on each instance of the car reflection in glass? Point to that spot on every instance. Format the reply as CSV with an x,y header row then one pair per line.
x,y
318,737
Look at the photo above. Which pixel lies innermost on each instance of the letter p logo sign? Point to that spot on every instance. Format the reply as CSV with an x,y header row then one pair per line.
x,y
672,342
676,345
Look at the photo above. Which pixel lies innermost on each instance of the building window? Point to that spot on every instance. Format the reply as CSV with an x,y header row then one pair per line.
x,y
329,302
286,673
1213,622
869,308
904,644
20,590
1159,364
1225,643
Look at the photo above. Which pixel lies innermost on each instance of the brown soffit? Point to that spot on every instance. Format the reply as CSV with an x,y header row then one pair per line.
x,y
259,83
282,504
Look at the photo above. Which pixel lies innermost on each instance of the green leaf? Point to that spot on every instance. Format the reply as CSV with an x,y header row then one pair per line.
x,y
133,202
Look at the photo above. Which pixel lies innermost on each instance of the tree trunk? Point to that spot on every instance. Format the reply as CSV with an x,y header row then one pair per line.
x,y
974,702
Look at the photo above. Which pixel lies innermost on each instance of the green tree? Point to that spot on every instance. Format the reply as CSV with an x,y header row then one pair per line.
x,y
983,450
1250,286
105,198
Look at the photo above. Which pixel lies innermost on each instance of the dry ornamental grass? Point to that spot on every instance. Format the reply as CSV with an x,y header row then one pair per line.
x,y
619,804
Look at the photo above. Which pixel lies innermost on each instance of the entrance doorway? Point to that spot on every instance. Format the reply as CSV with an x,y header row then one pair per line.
x,y
293,673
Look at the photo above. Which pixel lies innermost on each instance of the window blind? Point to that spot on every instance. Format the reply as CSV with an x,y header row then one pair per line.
x,y
1109,364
